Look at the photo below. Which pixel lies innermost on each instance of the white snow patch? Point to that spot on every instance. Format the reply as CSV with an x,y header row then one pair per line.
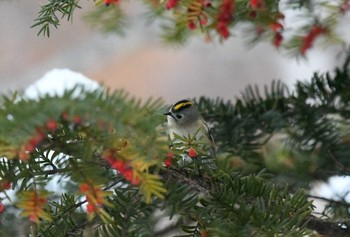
x,y
56,81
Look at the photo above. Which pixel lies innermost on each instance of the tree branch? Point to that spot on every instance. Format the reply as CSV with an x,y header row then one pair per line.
x,y
342,203
327,227
198,183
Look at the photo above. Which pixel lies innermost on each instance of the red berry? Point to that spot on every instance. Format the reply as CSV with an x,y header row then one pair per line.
x,y
90,207
42,200
77,120
168,162
254,3
108,2
2,207
128,174
204,233
171,4
29,147
84,188
252,14
34,141
206,3
135,181
51,125
277,40
33,218
119,165
192,153
23,155
65,116
224,32
203,20
257,4
276,27
191,25
6,185
39,136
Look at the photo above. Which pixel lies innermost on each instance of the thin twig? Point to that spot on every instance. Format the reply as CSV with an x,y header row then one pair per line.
x,y
342,203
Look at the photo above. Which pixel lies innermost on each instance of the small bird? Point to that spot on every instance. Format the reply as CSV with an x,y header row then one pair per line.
x,y
185,120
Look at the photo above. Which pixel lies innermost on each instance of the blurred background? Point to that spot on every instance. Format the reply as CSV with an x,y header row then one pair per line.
x,y
140,62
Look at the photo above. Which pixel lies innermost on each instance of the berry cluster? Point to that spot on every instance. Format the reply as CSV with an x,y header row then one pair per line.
x,y
196,13
33,203
50,126
36,139
277,29
94,197
122,166
225,17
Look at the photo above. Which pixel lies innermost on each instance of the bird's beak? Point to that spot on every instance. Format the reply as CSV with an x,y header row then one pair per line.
x,y
170,114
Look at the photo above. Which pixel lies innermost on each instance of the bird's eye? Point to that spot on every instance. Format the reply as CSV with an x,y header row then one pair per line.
x,y
179,116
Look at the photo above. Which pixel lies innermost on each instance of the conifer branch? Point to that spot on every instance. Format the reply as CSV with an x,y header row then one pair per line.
x,y
197,183
214,20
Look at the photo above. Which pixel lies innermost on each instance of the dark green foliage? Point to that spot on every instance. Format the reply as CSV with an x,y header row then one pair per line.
x,y
312,120
238,206
51,13
254,208
67,220
132,217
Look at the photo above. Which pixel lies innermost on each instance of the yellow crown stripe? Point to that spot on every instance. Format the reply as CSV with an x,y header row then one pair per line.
x,y
179,106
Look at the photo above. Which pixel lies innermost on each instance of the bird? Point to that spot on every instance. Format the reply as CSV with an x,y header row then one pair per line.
x,y
184,121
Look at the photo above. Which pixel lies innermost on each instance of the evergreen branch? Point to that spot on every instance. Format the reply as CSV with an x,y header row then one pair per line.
x,y
47,15
213,20
61,215
197,183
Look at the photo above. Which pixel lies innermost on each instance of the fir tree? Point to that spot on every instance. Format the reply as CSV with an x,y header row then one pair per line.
x,y
120,175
